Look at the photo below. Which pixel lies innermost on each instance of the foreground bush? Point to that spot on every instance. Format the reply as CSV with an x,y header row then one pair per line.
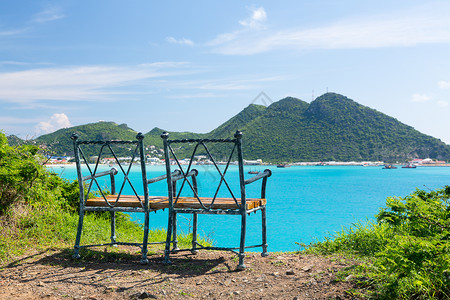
x,y
407,249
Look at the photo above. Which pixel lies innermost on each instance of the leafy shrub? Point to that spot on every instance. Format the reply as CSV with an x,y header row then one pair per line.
x,y
408,247
19,168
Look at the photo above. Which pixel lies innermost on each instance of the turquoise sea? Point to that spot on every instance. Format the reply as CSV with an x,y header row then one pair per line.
x,y
304,203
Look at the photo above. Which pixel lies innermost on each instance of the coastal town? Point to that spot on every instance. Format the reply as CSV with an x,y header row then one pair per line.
x,y
204,160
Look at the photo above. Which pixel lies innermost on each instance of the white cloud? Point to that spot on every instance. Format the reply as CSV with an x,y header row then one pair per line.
x,y
421,25
420,98
56,121
12,32
256,20
441,103
444,84
251,25
86,83
15,120
48,15
182,41
224,84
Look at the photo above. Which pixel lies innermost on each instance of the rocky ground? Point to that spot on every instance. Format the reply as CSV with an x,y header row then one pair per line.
x,y
54,274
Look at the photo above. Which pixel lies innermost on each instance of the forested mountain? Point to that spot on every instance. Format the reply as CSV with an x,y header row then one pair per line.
x,y
59,142
14,140
332,127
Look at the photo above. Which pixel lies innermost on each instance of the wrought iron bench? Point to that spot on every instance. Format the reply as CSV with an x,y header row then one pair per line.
x,y
95,197
236,202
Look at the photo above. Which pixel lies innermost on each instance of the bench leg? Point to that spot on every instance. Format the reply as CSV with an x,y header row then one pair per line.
x,y
168,239
175,240
264,233
76,248
144,259
113,227
194,234
241,265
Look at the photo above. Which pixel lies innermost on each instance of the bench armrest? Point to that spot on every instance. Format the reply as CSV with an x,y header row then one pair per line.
x,y
176,175
162,177
266,173
113,171
179,176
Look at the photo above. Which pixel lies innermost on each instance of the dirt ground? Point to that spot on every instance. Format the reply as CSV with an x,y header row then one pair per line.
x,y
99,274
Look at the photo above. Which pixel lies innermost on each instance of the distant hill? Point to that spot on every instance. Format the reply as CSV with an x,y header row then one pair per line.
x,y
14,140
332,127
153,137
59,142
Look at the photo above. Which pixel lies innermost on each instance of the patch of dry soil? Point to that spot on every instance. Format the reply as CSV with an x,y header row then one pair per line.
x,y
208,275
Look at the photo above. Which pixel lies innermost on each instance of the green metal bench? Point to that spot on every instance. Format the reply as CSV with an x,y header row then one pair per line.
x,y
112,199
236,203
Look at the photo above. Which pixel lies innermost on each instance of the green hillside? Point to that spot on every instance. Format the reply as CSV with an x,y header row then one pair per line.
x,y
153,137
14,140
238,122
332,127
59,142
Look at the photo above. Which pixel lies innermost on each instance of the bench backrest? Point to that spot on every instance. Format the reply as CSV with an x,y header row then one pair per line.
x,y
204,146
88,168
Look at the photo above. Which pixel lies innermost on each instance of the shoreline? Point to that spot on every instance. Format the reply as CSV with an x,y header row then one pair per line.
x,y
287,165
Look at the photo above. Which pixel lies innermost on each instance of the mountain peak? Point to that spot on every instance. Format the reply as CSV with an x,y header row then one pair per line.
x,y
289,104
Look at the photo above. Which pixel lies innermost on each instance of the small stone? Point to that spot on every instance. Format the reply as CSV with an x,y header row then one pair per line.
x,y
348,277
93,297
266,285
306,268
290,272
276,274
237,292
112,288
40,283
259,279
199,283
145,295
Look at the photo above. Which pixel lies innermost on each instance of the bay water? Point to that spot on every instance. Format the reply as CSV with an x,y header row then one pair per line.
x,y
304,203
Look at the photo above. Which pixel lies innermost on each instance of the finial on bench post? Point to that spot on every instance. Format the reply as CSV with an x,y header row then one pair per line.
x,y
238,134
74,136
164,135
140,136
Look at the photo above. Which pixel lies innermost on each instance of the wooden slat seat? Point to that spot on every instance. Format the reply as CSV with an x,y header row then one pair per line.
x,y
219,203
128,201
160,202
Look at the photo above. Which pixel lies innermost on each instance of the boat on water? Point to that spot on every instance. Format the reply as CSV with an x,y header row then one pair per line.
x,y
409,166
389,166
282,166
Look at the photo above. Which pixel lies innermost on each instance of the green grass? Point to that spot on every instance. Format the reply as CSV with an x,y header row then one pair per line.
x,y
41,227
405,254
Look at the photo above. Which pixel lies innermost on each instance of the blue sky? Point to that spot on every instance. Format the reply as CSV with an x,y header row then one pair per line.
x,y
191,65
